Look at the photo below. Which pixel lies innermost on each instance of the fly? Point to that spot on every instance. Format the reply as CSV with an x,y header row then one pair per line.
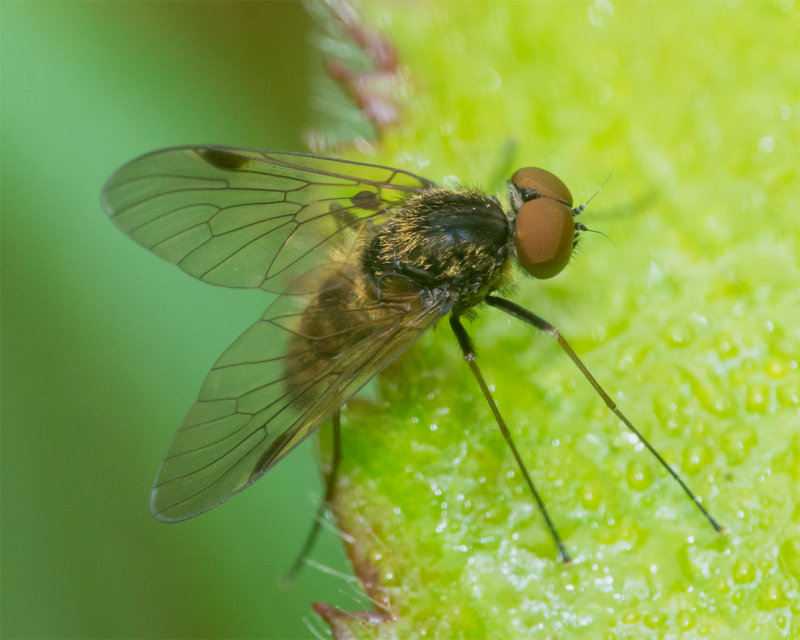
x,y
365,259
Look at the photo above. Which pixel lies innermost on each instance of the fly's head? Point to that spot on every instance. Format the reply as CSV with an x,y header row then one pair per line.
x,y
545,230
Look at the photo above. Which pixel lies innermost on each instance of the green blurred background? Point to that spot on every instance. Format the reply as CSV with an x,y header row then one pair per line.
x,y
104,346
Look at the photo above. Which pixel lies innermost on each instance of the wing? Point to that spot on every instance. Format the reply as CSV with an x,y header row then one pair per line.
x,y
283,377
246,218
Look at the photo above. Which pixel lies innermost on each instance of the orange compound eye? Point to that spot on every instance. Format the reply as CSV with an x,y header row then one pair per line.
x,y
545,232
533,182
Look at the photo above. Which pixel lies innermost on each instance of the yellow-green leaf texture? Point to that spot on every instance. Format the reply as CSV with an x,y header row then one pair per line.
x,y
690,318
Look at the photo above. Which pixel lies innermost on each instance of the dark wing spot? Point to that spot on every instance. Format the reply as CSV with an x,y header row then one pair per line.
x,y
366,200
267,458
222,159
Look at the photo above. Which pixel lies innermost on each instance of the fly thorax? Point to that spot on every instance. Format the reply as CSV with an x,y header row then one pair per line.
x,y
457,241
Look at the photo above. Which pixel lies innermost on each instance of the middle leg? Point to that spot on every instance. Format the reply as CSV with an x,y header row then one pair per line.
x,y
465,342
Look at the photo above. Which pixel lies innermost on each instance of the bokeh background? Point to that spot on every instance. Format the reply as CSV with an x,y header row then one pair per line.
x,y
692,315
104,346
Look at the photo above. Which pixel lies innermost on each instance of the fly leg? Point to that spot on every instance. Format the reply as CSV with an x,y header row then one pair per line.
x,y
465,342
330,488
523,314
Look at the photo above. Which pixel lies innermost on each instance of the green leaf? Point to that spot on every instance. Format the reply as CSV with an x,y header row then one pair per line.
x,y
689,319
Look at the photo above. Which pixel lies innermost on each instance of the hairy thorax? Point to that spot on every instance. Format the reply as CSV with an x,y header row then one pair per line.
x,y
455,241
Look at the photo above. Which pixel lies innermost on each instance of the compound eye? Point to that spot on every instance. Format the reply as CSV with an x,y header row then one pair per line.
x,y
544,236
533,182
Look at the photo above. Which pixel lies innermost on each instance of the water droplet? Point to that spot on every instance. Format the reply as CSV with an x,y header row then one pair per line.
x,y
766,144
638,476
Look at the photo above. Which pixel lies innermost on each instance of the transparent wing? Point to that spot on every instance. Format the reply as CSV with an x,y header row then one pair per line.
x,y
276,383
246,218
